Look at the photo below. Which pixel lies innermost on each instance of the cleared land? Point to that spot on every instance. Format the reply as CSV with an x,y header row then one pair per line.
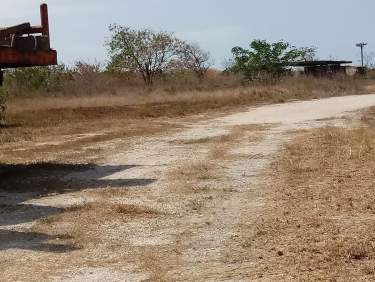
x,y
198,202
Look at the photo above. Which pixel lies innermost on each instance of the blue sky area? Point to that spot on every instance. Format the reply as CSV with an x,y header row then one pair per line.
x,y
79,28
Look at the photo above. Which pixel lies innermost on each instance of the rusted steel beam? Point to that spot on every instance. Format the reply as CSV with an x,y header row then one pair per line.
x,y
44,19
17,29
12,58
34,30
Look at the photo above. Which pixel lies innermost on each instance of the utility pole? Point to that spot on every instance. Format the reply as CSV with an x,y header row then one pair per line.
x,y
361,45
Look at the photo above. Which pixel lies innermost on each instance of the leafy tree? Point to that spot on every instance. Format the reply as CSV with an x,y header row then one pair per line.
x,y
265,58
143,51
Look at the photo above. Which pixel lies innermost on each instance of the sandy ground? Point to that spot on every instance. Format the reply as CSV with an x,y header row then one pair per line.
x,y
205,188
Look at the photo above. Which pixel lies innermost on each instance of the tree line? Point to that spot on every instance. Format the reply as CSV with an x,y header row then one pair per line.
x,y
151,54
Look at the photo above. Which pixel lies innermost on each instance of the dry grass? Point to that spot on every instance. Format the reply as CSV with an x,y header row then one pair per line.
x,y
321,226
203,169
197,177
79,141
199,170
73,128
235,133
91,216
33,117
206,140
369,117
102,211
289,88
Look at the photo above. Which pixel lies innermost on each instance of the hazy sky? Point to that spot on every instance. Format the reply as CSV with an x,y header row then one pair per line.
x,y
79,28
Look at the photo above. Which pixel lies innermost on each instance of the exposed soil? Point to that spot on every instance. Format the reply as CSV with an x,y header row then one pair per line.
x,y
175,206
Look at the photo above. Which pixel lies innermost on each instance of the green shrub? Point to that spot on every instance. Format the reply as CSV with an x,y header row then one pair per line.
x,y
80,79
46,79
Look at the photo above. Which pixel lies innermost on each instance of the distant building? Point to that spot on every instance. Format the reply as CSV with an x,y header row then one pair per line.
x,y
329,68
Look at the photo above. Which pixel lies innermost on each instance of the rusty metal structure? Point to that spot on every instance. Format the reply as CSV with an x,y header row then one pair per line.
x,y
24,45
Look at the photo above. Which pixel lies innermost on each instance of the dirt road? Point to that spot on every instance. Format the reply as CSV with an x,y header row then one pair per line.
x,y
164,208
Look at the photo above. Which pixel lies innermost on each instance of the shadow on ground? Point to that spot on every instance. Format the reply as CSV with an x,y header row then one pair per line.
x,y
23,182
46,178
33,241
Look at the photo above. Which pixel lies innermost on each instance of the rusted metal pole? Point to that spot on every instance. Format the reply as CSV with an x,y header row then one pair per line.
x,y
44,19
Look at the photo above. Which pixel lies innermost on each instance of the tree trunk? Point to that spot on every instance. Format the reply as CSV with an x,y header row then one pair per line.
x,y
147,77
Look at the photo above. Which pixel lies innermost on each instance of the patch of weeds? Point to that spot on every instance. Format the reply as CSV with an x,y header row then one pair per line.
x,y
359,251
135,210
200,189
196,205
200,170
3,105
49,220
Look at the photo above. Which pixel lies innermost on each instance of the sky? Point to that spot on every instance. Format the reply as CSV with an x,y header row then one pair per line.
x,y
79,29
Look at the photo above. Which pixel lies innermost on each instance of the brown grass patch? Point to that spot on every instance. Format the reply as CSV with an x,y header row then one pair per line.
x,y
323,213
369,117
235,133
135,211
91,216
200,170
30,118
216,139
198,178
203,169
65,126
79,142
104,211
288,88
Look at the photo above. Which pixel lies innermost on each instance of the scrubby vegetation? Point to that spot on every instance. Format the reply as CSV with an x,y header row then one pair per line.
x,y
3,98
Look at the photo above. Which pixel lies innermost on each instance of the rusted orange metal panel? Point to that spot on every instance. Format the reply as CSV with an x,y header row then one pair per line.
x,y
18,29
12,58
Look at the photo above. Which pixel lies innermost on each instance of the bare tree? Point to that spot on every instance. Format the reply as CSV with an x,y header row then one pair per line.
x,y
195,59
143,51
369,59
